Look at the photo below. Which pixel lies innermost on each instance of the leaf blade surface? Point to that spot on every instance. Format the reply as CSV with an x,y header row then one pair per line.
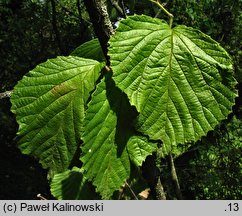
x,y
109,141
49,103
180,80
72,185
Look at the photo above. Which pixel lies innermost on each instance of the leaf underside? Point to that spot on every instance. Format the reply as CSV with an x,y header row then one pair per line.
x,y
109,140
72,185
91,49
49,103
179,79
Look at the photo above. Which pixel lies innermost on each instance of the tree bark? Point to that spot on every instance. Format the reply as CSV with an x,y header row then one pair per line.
x,y
102,25
159,190
6,94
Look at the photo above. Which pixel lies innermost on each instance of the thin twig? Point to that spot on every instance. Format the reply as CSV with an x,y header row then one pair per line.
x,y
82,19
123,7
126,183
41,197
118,8
158,13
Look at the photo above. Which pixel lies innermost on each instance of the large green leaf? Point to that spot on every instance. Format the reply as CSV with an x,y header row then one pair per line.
x,y
49,104
72,185
91,49
107,133
179,79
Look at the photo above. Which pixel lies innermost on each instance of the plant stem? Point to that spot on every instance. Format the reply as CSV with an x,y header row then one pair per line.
x,y
174,177
118,8
166,11
41,197
123,7
131,190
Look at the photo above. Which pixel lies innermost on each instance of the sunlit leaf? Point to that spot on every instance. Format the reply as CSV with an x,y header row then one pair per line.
x,y
91,49
179,79
49,103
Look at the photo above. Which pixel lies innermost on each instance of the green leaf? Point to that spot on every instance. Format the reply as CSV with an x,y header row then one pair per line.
x,y
180,80
139,147
49,103
107,132
72,185
91,49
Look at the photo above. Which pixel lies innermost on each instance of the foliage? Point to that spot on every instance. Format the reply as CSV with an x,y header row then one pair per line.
x,y
28,38
214,170
184,111
49,103
206,16
71,185
110,142
175,96
90,49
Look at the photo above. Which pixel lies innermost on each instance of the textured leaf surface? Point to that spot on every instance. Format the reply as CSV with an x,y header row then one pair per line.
x,y
49,105
72,185
139,147
91,49
180,80
107,133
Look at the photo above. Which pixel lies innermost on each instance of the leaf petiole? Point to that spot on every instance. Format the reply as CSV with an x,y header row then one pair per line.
x,y
166,11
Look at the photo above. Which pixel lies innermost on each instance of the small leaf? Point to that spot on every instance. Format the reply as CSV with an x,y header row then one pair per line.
x,y
180,80
107,132
49,104
91,50
139,147
72,185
